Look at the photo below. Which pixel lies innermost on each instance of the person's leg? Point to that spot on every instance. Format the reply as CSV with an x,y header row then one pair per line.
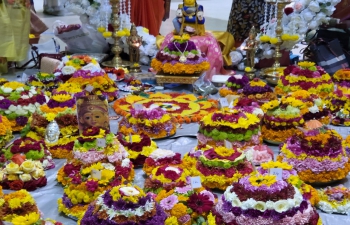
x,y
177,25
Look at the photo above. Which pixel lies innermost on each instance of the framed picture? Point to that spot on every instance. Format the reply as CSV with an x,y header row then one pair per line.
x,y
92,111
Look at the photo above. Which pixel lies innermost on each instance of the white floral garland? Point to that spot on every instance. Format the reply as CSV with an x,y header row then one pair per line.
x,y
307,14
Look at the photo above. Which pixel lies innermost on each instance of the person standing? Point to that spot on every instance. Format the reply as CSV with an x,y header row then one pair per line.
x,y
149,14
243,16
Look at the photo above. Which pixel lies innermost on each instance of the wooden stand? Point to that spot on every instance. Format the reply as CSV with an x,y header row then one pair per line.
x,y
176,79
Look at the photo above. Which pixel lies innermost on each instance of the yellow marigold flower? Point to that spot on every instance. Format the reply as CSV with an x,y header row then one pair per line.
x,y
274,41
223,151
101,29
260,180
50,116
248,69
286,37
171,221
14,85
277,164
121,33
28,219
294,37
211,219
107,34
31,36
62,97
144,29
179,210
306,64
265,38
259,83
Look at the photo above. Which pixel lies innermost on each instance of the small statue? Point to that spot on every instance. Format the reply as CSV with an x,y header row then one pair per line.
x,y
189,17
134,41
251,47
52,132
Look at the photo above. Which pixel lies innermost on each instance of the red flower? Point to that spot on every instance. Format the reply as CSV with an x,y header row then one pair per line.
x,y
16,185
200,203
71,169
169,174
41,182
288,10
91,185
91,131
18,159
30,185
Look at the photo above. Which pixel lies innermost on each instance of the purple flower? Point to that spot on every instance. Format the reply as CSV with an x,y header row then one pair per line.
x,y
66,201
21,120
169,202
53,104
40,99
5,104
70,103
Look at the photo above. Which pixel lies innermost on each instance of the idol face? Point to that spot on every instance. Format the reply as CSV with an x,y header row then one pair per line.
x,y
94,118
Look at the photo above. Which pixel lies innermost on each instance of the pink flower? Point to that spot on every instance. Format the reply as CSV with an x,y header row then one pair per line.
x,y
169,202
184,219
298,6
183,190
91,185
115,157
209,194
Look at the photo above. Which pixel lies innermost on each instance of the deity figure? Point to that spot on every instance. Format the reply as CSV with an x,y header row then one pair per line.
x,y
92,112
52,132
189,18
251,47
134,41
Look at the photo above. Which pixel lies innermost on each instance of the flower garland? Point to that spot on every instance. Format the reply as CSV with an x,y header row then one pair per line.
x,y
290,175
32,150
233,85
87,150
138,207
166,177
19,208
5,131
339,105
86,183
218,167
46,81
305,76
334,200
21,173
238,127
18,102
248,201
181,56
139,147
186,205
317,155
281,119
313,108
184,108
161,157
258,91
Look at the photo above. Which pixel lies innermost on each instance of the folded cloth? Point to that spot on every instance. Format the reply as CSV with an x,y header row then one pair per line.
x,y
48,65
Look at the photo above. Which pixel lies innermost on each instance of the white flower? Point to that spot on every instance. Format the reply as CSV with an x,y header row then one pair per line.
x,y
281,206
138,211
108,166
313,25
176,170
250,203
129,191
314,109
149,206
92,68
314,6
6,89
7,111
1,98
161,153
258,111
20,89
65,59
25,177
85,3
67,70
12,108
308,15
260,205
236,202
25,96
236,57
270,205
126,162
